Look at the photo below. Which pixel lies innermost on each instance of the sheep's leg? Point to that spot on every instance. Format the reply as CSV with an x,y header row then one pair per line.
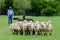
x,y
39,32
15,31
42,33
36,33
18,32
51,32
47,33
11,32
31,33
23,32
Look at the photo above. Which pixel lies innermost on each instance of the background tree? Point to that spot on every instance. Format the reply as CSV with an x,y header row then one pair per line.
x,y
48,11
1,6
33,7
21,5
39,5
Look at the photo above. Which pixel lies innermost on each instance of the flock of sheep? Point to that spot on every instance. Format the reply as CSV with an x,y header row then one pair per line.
x,y
30,27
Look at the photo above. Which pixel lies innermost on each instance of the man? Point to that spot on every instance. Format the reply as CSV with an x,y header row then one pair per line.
x,y
10,13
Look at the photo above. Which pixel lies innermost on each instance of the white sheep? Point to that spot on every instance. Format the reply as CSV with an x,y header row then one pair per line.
x,y
24,26
46,27
38,27
15,26
43,27
49,27
33,28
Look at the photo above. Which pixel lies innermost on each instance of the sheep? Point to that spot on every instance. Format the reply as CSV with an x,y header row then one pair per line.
x,y
42,28
46,27
25,26
38,27
49,28
20,25
15,26
30,28
33,28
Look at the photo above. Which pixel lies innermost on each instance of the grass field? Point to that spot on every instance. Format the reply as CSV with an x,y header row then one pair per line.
x,y
5,34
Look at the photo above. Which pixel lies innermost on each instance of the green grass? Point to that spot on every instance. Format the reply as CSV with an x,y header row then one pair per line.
x,y
5,33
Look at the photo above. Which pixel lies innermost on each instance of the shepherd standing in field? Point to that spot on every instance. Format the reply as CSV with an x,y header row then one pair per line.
x,y
10,13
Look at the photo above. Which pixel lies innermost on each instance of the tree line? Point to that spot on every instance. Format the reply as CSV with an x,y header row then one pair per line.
x,y
31,7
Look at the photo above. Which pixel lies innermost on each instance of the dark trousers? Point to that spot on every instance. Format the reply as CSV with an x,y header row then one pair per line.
x,y
10,19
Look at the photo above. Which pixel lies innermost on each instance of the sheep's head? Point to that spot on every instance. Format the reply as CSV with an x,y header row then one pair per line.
x,y
20,23
29,24
25,21
30,21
